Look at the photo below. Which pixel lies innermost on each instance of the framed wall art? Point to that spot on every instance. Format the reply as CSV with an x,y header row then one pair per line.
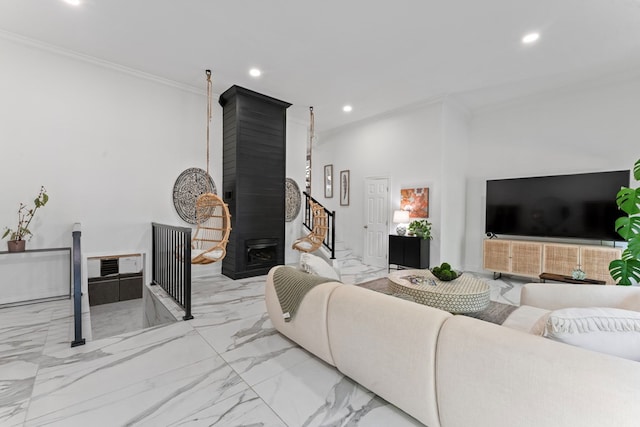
x,y
328,181
344,188
416,201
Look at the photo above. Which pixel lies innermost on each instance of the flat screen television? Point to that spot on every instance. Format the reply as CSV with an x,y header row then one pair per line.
x,y
569,206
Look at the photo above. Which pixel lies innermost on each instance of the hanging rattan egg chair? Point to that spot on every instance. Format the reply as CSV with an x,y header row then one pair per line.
x,y
209,242
319,228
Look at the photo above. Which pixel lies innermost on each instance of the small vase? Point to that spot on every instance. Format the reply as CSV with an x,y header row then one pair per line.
x,y
578,274
16,245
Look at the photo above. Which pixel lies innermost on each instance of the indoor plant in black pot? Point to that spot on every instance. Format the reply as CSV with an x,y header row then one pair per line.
x,y
16,241
628,227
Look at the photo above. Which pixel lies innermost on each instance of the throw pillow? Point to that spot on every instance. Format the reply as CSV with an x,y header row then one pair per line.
x,y
607,330
315,265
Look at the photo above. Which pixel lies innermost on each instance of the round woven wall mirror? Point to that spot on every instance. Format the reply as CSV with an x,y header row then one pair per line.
x,y
293,198
190,184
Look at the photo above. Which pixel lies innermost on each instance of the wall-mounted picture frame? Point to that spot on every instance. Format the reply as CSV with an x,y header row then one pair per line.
x,y
416,201
328,181
345,182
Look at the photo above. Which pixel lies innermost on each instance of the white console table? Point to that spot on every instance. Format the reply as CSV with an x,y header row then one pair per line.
x,y
35,275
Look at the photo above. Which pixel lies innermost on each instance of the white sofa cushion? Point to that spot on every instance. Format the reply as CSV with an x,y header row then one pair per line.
x,y
214,254
606,330
489,375
315,265
388,345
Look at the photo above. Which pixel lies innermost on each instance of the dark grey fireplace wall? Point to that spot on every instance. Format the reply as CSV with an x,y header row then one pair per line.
x,y
254,160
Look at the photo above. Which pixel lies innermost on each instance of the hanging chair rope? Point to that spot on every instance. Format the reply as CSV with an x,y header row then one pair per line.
x,y
209,113
312,132
210,239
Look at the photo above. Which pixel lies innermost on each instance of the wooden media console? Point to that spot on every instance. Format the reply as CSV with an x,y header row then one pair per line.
x,y
532,258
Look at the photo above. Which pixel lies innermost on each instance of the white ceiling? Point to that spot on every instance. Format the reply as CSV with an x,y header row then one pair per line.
x,y
376,55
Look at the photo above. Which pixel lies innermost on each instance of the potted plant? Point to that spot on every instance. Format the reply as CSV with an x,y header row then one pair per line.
x,y
628,227
421,228
16,241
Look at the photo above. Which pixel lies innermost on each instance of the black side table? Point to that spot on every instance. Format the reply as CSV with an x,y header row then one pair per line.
x,y
408,251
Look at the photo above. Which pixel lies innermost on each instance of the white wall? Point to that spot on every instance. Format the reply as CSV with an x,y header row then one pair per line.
x,y
108,146
585,129
455,148
404,146
580,129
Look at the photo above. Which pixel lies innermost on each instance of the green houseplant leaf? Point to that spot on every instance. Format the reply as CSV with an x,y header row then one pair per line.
x,y
41,200
633,248
628,199
628,226
626,269
421,228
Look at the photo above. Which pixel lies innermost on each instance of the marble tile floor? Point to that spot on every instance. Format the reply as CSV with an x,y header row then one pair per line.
x,y
226,367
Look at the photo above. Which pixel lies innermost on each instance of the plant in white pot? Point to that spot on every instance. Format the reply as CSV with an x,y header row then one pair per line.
x,y
16,236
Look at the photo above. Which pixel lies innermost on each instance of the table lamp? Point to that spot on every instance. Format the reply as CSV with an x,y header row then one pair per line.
x,y
401,218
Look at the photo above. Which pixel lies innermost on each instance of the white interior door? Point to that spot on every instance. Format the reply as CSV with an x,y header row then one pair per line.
x,y
376,228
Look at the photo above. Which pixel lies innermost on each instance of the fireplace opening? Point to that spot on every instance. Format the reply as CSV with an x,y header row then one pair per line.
x,y
261,252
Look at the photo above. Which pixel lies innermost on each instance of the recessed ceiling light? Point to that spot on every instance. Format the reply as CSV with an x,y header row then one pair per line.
x,y
530,38
72,2
347,108
254,72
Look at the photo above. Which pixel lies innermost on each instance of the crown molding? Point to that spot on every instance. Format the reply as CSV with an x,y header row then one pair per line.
x,y
26,41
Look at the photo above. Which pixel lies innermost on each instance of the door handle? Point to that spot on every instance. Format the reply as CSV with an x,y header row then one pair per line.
x,y
366,226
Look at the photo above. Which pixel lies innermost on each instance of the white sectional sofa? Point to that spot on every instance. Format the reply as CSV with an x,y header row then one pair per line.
x,y
457,371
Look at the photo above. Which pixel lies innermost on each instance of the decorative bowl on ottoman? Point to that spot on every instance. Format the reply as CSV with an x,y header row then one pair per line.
x,y
445,273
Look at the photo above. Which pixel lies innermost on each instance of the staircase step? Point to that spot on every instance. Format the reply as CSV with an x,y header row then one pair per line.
x,y
342,255
340,246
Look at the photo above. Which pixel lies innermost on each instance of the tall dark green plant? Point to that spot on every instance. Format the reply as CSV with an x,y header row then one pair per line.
x,y
628,227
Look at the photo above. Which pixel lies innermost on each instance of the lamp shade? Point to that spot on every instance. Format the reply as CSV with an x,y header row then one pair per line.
x,y
400,217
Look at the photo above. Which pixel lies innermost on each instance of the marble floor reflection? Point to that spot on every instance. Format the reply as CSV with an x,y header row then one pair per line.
x,y
226,367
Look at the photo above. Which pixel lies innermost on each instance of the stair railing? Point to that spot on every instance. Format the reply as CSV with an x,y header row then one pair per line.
x,y
330,239
77,287
171,263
